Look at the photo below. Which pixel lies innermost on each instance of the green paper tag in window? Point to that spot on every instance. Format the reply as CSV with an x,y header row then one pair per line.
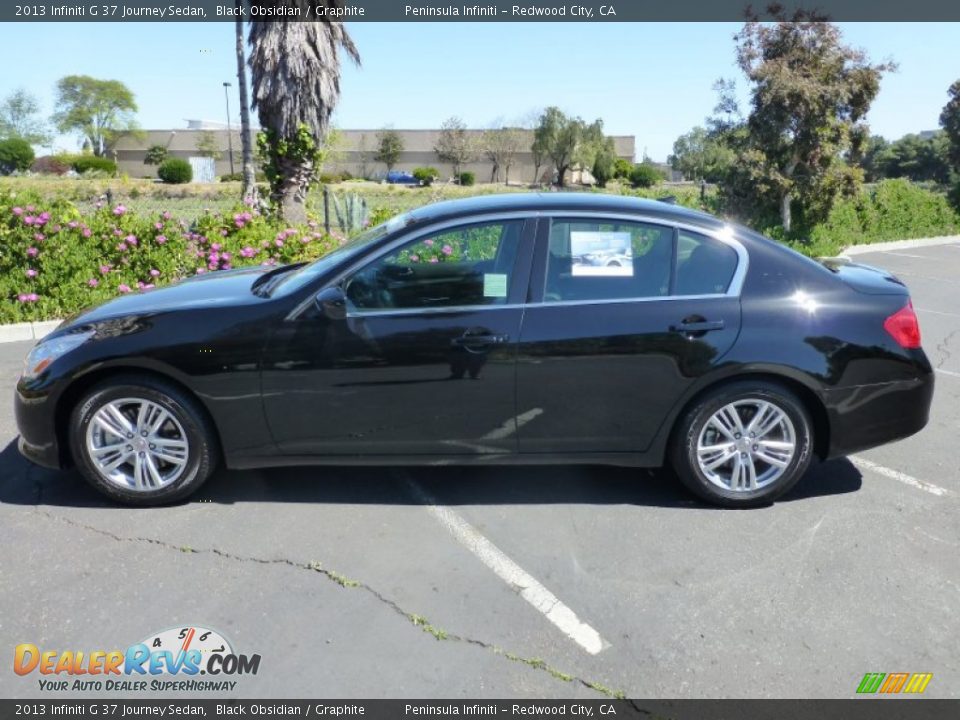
x,y
494,285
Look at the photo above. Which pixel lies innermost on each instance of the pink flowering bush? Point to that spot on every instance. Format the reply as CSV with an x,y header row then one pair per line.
x,y
55,261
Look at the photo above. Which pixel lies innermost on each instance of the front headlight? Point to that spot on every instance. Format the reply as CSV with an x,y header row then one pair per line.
x,y
46,351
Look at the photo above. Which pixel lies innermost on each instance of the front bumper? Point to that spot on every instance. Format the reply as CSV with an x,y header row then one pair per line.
x,y
35,414
866,416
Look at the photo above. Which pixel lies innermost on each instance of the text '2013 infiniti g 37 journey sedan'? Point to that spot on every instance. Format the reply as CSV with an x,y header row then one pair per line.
x,y
469,331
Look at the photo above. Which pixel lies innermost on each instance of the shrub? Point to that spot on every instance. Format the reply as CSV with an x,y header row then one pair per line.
x,y
57,260
83,164
175,171
258,176
622,168
16,155
467,178
49,165
645,175
426,175
332,178
156,154
894,210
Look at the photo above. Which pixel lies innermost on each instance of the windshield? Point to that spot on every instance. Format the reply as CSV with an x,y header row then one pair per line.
x,y
295,280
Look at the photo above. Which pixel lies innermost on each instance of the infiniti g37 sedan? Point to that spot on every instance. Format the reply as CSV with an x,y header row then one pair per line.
x,y
465,332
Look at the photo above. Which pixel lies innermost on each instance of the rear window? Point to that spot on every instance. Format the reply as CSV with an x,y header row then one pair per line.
x,y
704,266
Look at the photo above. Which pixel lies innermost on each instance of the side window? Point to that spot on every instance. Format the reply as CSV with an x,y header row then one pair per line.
x,y
469,265
704,266
607,260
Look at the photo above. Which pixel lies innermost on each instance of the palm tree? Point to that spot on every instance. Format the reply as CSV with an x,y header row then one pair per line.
x,y
249,189
295,68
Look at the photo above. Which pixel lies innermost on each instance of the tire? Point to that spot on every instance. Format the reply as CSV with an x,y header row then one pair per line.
x,y
149,473
706,436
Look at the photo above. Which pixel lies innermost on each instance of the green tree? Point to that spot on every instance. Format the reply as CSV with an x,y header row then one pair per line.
x,y
869,158
19,118
207,145
701,155
389,148
455,146
101,111
500,146
567,141
155,155
604,166
950,122
917,158
809,96
295,78
16,155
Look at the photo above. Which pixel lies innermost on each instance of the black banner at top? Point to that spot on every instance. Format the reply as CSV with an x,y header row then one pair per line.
x,y
483,11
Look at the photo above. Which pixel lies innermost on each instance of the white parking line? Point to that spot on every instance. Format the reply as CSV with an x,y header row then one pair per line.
x,y
936,312
950,373
899,254
865,464
515,576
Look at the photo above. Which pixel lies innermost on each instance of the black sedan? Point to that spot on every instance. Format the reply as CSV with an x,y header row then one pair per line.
x,y
465,332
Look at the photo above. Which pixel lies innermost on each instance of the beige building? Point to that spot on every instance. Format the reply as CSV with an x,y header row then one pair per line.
x,y
353,153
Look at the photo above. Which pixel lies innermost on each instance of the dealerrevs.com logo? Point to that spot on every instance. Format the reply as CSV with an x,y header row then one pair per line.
x,y
169,661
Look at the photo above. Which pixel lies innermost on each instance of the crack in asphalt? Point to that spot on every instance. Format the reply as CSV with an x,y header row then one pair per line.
x,y
942,348
417,621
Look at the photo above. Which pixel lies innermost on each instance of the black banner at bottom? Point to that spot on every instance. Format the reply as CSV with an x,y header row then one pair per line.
x,y
853,709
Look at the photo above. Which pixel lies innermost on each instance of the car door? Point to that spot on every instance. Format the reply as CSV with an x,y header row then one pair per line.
x,y
421,359
625,315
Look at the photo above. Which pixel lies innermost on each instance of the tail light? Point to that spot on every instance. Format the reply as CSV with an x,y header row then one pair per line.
x,y
904,327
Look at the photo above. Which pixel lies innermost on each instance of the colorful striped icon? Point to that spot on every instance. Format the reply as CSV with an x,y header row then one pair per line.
x,y
890,683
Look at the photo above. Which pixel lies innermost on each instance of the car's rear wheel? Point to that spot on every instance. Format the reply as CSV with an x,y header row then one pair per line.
x,y
142,441
743,444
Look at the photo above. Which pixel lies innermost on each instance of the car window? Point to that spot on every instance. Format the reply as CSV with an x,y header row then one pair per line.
x,y
597,260
462,266
705,266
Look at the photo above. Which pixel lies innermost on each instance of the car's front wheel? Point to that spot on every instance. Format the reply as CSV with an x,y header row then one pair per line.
x,y
743,444
142,441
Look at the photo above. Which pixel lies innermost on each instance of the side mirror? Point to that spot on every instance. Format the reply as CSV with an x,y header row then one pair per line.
x,y
332,303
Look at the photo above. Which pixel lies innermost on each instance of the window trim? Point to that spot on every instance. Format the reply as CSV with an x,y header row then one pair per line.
x,y
535,235
725,235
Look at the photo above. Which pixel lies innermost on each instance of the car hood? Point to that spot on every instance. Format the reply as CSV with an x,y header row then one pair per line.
x,y
215,289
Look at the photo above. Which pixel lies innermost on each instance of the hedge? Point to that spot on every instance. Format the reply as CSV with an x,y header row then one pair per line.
x,y
55,261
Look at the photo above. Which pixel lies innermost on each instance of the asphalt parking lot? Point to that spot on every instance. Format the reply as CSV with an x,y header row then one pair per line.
x,y
527,581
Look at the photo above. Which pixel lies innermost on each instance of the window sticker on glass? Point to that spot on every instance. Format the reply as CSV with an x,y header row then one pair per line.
x,y
601,253
494,285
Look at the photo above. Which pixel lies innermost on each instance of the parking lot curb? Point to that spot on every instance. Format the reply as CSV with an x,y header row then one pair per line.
x,y
899,245
19,332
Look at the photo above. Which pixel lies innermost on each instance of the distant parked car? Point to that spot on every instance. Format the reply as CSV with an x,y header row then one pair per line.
x,y
401,177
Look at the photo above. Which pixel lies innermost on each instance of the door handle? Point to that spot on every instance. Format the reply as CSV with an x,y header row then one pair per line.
x,y
479,340
698,326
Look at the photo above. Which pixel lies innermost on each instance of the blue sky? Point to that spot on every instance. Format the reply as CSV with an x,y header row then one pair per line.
x,y
651,80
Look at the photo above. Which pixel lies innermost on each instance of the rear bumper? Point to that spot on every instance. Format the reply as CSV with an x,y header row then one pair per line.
x,y
866,416
36,422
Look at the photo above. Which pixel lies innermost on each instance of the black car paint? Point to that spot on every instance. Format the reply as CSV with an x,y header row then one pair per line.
x,y
287,383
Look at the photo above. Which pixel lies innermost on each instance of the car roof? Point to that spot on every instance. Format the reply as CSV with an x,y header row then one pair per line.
x,y
563,201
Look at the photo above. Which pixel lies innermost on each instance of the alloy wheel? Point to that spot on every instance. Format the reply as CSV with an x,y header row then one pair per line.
x,y
137,444
746,445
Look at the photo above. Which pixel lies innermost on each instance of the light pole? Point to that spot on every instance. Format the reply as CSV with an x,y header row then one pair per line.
x,y
226,95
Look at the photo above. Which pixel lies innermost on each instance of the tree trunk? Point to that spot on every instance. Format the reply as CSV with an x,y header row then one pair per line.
x,y
561,171
291,195
248,191
536,174
785,200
